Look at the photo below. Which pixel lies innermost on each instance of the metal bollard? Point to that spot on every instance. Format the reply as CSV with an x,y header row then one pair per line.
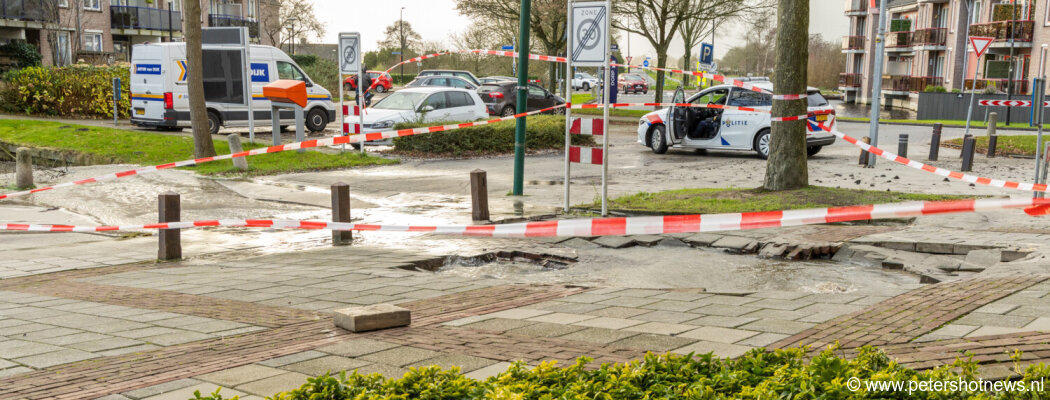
x,y
993,121
170,239
902,145
23,168
967,153
341,213
993,140
935,142
234,140
479,195
863,153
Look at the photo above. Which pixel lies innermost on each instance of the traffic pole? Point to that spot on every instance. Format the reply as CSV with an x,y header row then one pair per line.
x,y
876,88
522,95
568,97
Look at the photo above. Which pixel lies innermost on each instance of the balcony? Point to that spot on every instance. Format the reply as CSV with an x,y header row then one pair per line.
x,y
223,20
899,41
131,17
853,43
1003,31
930,37
897,84
850,81
856,7
23,10
920,83
1020,86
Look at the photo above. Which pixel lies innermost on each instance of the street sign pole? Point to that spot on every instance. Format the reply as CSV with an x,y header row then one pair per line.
x,y
522,95
876,87
1040,90
605,116
568,97
251,92
350,64
980,44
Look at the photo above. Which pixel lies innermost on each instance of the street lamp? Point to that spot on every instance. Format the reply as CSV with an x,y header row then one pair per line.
x,y
401,25
291,31
170,28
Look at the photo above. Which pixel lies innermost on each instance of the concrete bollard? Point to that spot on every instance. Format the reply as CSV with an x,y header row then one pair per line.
x,y
479,195
993,141
234,140
967,153
341,213
993,120
23,168
935,142
864,154
169,210
902,145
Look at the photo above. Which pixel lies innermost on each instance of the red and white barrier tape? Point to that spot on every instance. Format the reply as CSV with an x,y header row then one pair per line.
x,y
586,155
604,226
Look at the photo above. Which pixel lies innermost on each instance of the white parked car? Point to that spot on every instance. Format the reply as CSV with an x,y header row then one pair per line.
x,y
584,81
421,104
716,129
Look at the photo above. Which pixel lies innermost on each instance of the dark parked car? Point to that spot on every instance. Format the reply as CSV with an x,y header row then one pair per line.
x,y
451,72
442,80
495,79
501,100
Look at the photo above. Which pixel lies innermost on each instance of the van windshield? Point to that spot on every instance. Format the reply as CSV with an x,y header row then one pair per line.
x,y
400,101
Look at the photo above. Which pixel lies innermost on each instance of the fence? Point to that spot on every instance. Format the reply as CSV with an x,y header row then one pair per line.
x,y
950,106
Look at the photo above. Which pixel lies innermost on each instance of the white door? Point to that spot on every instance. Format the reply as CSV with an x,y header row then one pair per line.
x,y
435,108
739,126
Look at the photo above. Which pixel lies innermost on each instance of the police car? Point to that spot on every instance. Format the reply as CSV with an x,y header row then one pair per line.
x,y
716,129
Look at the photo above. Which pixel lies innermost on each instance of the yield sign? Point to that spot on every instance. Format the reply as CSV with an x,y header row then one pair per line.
x,y
628,59
980,44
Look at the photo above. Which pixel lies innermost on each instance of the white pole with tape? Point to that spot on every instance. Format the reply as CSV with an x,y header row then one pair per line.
x,y
568,96
361,107
339,110
605,112
876,88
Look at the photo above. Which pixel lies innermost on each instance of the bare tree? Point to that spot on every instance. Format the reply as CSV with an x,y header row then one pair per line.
x,y
658,21
400,35
202,144
787,168
694,29
475,37
294,22
546,22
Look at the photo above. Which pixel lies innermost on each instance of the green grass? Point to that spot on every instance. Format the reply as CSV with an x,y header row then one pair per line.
x,y
731,200
1005,145
945,122
144,148
616,112
580,98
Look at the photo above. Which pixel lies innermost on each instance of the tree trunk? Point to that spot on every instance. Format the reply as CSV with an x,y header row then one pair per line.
x,y
661,60
786,168
202,144
685,64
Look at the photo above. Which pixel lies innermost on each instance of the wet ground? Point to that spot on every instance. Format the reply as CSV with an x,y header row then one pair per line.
x,y
864,111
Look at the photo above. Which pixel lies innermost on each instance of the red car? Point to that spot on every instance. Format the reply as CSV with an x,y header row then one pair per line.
x,y
385,82
633,83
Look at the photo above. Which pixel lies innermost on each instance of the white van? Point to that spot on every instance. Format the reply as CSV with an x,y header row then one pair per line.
x,y
159,95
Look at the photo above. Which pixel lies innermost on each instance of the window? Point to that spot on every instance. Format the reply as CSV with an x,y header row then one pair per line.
x,y
286,70
815,99
437,100
712,97
253,6
536,91
65,55
459,99
438,82
459,83
93,5
747,98
93,41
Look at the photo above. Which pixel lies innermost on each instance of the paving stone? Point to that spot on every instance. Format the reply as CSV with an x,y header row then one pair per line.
x,y
671,305
608,323
660,328
561,318
60,357
740,244
632,292
762,339
518,313
498,324
579,243
719,349
719,320
780,304
935,248
954,330
777,326
128,350
725,310
545,329
635,302
388,371
213,326
275,384
672,242
833,308
489,371
702,239
235,376
1007,321
105,344
468,320
598,335
171,339
114,397
667,316
400,356
619,312
778,314
728,300
292,358
1041,324
145,332
614,242
682,296
996,308
371,318
326,364
819,317
647,240
994,330
1030,311
466,363
187,392
12,349
650,342
574,308
163,388
14,371
356,347
718,334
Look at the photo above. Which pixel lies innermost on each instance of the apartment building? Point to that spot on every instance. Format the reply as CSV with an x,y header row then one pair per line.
x,y
927,46
103,31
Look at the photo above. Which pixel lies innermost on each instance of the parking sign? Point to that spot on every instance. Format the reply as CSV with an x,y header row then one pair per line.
x,y
590,33
349,53
707,53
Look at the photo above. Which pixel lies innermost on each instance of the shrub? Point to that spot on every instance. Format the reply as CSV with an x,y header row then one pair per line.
x,y
935,89
543,132
304,60
759,374
24,54
80,90
398,80
323,72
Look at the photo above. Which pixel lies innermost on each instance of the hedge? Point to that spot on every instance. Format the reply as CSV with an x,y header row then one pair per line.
x,y
543,132
80,90
759,374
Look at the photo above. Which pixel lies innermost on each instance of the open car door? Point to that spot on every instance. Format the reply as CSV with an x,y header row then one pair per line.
x,y
676,124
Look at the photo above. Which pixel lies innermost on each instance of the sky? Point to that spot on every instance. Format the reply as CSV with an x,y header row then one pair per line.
x,y
437,19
